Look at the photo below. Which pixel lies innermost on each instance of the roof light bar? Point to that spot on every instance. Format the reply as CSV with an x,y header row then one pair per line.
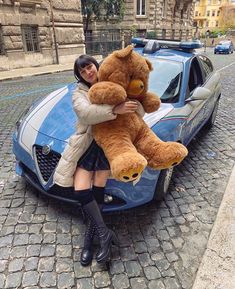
x,y
153,45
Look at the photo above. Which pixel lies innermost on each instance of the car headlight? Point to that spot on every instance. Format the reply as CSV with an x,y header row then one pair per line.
x,y
21,118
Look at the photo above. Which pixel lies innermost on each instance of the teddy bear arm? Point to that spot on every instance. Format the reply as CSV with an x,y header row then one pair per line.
x,y
106,92
151,102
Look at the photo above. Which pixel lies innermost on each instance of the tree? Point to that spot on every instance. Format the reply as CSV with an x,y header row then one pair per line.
x,y
90,8
101,9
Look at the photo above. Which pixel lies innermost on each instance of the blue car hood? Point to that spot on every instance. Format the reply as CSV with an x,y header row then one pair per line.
x,y
54,115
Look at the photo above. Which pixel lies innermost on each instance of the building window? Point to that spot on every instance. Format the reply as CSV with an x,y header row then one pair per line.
x,y
218,12
213,13
30,38
196,13
216,23
209,2
141,7
208,13
1,42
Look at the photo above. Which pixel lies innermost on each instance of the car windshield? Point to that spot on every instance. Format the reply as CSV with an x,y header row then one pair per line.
x,y
224,43
165,79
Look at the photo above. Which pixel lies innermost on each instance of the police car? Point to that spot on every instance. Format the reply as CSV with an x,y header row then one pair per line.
x,y
190,91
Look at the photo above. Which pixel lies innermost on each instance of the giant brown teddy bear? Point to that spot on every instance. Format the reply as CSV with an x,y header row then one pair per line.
x,y
128,143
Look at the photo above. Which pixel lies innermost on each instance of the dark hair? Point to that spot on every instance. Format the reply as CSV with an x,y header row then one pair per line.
x,y
81,62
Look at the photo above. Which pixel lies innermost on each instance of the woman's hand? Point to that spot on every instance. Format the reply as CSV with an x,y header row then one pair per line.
x,y
125,107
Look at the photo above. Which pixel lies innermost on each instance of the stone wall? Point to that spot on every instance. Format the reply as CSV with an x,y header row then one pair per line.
x,y
166,18
68,30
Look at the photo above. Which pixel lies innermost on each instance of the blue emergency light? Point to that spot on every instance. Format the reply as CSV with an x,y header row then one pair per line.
x,y
152,45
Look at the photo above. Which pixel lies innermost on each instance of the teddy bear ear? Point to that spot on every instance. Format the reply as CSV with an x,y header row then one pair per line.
x,y
122,53
149,64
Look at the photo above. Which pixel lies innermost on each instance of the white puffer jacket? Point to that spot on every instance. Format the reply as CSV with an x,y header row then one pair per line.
x,y
79,142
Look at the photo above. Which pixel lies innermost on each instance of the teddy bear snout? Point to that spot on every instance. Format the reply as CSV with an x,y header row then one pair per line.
x,y
135,87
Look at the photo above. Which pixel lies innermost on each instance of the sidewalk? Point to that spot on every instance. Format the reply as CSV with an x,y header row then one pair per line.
x,y
217,269
30,71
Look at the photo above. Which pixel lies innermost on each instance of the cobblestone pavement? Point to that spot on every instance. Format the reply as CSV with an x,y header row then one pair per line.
x,y
161,244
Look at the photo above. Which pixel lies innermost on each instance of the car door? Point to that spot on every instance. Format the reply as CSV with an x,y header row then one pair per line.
x,y
211,82
196,109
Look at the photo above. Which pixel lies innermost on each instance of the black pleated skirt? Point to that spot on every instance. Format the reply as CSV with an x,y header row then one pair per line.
x,y
94,159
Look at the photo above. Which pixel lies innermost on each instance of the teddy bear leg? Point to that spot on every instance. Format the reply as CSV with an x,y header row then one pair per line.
x,y
160,155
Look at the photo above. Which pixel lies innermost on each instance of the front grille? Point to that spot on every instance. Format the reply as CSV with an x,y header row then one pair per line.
x,y
46,163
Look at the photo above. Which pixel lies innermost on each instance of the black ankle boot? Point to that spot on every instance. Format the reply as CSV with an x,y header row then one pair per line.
x,y
87,252
105,235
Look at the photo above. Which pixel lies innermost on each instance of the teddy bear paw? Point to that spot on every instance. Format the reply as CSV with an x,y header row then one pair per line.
x,y
128,167
171,155
132,174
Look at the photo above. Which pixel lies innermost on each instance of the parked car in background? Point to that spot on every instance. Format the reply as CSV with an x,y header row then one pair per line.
x,y
225,47
189,89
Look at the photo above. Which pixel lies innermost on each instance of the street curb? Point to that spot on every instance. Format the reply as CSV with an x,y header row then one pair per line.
x,y
39,70
217,269
17,75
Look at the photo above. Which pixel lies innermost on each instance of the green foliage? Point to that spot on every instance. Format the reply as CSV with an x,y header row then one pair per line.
x,y
151,35
103,9
216,33
133,30
91,7
114,8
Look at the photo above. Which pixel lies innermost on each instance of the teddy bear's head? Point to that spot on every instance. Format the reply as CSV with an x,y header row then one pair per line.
x,y
128,69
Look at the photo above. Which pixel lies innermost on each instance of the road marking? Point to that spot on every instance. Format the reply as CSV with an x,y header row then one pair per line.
x,y
226,66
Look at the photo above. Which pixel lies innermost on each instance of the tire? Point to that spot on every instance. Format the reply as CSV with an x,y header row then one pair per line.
x,y
163,184
211,121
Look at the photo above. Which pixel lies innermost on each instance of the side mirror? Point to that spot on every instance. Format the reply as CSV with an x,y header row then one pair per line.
x,y
200,93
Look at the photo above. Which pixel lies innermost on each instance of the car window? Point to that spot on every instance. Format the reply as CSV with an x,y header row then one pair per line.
x,y
195,77
165,79
207,66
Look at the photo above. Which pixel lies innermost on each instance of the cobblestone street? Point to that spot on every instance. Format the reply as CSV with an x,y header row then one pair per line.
x,y
162,244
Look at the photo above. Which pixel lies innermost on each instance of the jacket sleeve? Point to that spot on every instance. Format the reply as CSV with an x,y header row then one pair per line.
x,y
88,113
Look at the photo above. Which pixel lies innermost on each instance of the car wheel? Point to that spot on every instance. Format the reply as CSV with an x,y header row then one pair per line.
x,y
163,184
211,120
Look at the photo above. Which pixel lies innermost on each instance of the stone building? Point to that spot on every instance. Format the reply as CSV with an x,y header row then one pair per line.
x,y
214,15
171,19
29,29
27,34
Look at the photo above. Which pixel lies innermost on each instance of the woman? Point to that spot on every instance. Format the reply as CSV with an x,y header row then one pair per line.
x,y
83,163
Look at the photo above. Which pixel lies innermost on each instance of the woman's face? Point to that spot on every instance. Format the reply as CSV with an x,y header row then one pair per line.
x,y
89,73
